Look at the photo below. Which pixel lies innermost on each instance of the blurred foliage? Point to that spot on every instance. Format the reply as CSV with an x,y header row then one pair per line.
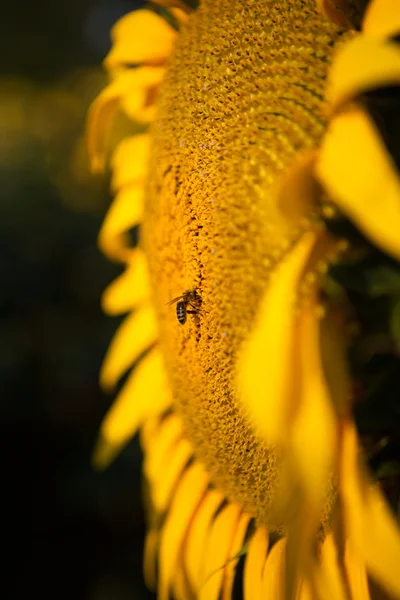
x,y
72,532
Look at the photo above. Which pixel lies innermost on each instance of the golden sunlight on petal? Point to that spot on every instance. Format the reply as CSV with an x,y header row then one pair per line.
x,y
356,575
217,551
137,334
129,290
382,18
274,572
360,176
144,394
125,212
237,547
254,565
191,489
140,37
195,545
130,160
266,394
371,527
362,65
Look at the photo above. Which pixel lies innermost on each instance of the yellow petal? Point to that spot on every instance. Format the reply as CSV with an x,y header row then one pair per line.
x,y
382,18
181,589
372,529
333,356
137,333
143,395
328,576
219,543
147,79
356,575
360,176
150,558
129,290
254,565
312,436
165,439
362,65
131,90
191,489
164,486
237,546
125,212
141,36
266,393
274,571
195,545
149,431
130,161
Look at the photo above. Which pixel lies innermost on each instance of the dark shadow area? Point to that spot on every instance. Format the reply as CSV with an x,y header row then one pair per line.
x,y
70,532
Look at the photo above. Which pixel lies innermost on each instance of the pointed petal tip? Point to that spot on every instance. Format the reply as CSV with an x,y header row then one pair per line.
x,y
104,453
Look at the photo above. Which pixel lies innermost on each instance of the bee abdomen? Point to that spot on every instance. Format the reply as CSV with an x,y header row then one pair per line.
x,y
181,312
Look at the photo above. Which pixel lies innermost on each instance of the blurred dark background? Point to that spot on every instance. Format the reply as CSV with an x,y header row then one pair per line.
x,y
69,532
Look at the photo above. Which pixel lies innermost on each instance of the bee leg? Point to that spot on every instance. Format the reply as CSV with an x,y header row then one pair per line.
x,y
192,312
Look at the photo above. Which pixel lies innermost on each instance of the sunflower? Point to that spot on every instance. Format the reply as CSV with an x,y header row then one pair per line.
x,y
252,142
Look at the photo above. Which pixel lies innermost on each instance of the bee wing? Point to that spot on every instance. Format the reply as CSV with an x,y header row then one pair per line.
x,y
174,300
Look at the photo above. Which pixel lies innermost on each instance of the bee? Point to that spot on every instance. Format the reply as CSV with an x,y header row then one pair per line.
x,y
190,299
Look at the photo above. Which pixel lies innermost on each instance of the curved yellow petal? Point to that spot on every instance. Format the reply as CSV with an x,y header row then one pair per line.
x,y
181,589
274,573
137,333
192,488
146,80
360,176
144,394
139,37
313,433
254,565
356,575
372,529
328,575
382,18
133,91
362,65
125,212
219,542
161,445
129,290
237,546
195,545
129,162
150,430
103,110
266,393
333,348
150,558
164,486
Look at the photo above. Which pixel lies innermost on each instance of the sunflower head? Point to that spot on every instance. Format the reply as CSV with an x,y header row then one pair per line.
x,y
248,168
